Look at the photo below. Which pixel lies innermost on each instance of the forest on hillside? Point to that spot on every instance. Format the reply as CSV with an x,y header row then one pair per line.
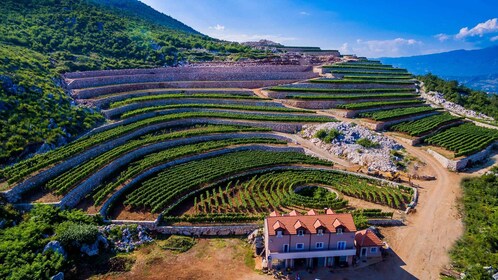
x,y
39,40
475,100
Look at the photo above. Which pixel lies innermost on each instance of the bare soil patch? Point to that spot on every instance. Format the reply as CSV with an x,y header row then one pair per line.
x,y
208,259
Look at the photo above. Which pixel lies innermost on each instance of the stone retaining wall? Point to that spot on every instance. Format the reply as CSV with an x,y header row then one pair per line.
x,y
345,113
185,76
379,126
98,91
106,206
328,104
104,101
460,164
13,195
109,202
386,223
200,70
213,110
351,85
277,126
326,70
89,184
196,231
116,112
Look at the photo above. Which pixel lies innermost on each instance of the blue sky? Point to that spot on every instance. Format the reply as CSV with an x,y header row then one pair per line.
x,y
367,28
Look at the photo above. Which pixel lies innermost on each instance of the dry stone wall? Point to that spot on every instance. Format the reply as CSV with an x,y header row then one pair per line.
x,y
209,69
128,186
98,91
185,76
90,183
14,194
105,101
351,85
113,113
327,104
460,164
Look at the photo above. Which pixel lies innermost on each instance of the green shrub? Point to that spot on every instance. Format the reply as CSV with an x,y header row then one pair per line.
x,y
367,143
321,134
73,235
179,243
333,134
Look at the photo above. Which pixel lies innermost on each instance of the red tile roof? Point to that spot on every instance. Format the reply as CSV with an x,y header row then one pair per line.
x,y
274,214
294,213
310,222
366,238
311,212
278,225
329,211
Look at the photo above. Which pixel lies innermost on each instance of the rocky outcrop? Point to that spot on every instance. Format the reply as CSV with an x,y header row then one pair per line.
x,y
56,247
58,276
345,145
94,248
437,98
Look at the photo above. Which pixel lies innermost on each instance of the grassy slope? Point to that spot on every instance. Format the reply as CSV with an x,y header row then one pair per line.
x,y
478,246
41,39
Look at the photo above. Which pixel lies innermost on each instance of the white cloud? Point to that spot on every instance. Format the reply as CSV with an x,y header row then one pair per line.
x,y
494,39
218,27
377,48
442,37
303,13
489,26
344,49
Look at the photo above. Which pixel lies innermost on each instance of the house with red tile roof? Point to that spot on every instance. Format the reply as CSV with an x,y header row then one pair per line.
x,y
311,240
368,245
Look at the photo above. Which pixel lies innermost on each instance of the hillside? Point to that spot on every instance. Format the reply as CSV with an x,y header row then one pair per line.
x,y
41,39
138,9
474,68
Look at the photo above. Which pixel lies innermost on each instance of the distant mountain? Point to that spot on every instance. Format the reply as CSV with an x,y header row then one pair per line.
x,y
475,68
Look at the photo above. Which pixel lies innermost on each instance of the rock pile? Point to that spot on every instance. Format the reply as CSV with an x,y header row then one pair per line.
x,y
437,98
345,145
126,237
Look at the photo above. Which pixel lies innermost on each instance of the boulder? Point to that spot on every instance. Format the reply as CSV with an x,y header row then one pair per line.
x,y
56,247
58,276
90,250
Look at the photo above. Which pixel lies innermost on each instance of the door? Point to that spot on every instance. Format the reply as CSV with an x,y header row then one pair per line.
x,y
363,252
286,248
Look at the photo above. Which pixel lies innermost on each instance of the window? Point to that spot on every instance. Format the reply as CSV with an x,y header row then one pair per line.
x,y
300,232
279,233
339,230
341,245
299,246
373,250
319,232
319,245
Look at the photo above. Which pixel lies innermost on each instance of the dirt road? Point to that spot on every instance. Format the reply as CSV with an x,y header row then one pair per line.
x,y
421,247
423,244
